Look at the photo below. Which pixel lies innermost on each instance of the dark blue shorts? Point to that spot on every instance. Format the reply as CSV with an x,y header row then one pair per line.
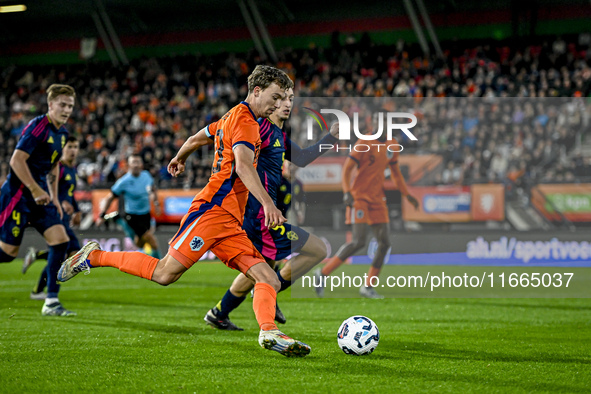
x,y
18,210
276,243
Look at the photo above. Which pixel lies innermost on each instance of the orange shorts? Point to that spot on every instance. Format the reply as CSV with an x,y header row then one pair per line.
x,y
367,212
213,228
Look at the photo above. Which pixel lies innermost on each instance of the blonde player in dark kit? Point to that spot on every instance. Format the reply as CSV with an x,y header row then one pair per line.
x,y
30,193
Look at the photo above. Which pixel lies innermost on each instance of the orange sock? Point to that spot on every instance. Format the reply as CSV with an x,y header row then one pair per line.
x,y
373,272
263,303
333,263
134,263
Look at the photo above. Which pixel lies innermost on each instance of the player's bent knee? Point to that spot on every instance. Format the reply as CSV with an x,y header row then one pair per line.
x,y
384,244
261,273
164,278
358,244
315,247
167,271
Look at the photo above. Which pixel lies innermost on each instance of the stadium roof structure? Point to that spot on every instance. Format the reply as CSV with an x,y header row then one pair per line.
x,y
137,23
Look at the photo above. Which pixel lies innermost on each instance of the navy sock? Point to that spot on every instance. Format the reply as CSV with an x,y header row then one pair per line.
x,y
57,254
284,283
228,303
42,255
42,282
5,258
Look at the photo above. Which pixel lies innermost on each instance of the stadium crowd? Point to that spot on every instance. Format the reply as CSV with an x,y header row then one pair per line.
x,y
152,105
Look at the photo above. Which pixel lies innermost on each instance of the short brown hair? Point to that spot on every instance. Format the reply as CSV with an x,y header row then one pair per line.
x,y
264,76
58,89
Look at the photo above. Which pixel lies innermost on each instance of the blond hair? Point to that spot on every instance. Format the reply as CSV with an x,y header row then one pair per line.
x,y
264,76
55,90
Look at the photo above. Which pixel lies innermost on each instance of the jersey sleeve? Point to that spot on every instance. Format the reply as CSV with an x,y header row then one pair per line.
x,y
210,130
29,140
119,186
356,156
62,172
246,133
394,159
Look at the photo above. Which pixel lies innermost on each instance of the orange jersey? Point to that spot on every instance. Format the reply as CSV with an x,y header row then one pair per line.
x,y
238,126
368,185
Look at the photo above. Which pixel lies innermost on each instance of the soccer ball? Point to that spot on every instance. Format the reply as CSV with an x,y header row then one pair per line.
x,y
358,335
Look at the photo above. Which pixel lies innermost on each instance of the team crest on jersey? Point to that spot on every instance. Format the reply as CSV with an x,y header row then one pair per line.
x,y
359,214
16,231
196,244
292,236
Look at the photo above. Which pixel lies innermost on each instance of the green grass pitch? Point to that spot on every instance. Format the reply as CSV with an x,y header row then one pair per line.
x,y
132,335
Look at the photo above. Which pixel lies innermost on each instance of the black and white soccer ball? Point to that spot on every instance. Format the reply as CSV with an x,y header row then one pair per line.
x,y
358,335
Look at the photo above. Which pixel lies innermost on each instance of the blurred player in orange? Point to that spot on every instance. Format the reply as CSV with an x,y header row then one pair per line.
x,y
366,205
214,221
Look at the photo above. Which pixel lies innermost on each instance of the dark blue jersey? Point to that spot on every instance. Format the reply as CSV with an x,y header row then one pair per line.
x,y
44,143
284,196
275,148
288,193
67,185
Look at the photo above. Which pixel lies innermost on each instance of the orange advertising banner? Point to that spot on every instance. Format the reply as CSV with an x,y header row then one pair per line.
x,y
488,202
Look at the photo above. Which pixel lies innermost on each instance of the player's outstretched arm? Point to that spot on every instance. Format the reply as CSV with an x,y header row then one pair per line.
x,y
302,157
18,163
244,157
177,165
107,203
154,198
399,179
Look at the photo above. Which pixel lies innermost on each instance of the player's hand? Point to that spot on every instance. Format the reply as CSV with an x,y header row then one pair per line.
x,y
334,130
67,207
76,219
176,167
100,220
40,196
59,209
348,199
273,216
413,201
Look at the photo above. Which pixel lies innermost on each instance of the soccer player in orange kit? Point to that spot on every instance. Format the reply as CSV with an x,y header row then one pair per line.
x,y
366,205
214,221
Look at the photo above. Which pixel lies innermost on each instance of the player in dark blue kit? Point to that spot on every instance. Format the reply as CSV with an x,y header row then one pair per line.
x,y
291,193
30,194
278,242
66,187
